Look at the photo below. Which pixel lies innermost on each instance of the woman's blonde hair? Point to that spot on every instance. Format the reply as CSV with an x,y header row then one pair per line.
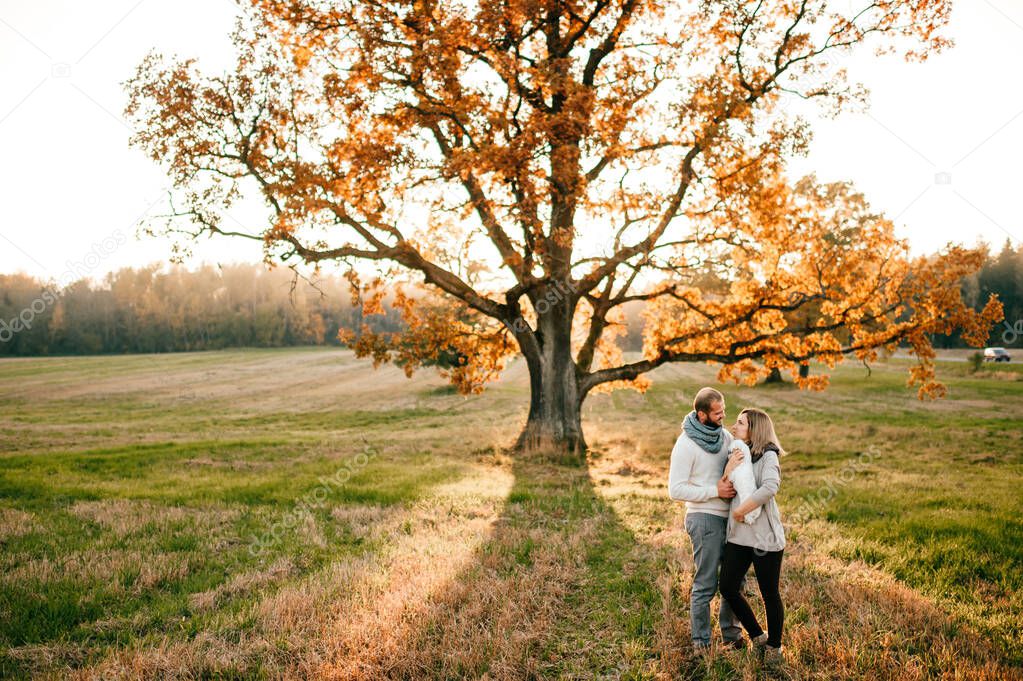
x,y
760,432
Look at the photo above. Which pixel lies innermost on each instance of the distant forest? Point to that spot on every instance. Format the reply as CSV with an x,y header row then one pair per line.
x,y
1002,274
157,309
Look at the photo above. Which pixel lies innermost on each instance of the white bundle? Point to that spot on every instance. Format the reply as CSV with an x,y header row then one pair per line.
x,y
743,481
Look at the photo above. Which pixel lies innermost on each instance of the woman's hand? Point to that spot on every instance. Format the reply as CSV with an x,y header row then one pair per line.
x,y
742,509
734,461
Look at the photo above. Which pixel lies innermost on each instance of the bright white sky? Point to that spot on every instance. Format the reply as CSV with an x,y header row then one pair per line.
x,y
68,178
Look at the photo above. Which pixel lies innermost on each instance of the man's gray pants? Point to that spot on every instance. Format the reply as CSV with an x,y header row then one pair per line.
x,y
707,533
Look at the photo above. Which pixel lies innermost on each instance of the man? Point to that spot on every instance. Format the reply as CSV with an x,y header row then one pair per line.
x,y
696,476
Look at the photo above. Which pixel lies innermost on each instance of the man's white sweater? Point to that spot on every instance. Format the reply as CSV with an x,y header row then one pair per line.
x,y
694,474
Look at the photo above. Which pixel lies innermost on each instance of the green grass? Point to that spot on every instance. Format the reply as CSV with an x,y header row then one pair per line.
x,y
133,491
80,581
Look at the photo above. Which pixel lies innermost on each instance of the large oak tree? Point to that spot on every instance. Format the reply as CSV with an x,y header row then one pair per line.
x,y
536,165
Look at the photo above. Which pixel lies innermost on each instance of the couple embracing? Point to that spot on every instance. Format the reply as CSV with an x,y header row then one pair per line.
x,y
728,481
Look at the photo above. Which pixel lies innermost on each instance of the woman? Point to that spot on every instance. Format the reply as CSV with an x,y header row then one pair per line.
x,y
760,543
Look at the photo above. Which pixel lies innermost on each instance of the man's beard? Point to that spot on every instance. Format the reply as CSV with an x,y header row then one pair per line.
x,y
710,423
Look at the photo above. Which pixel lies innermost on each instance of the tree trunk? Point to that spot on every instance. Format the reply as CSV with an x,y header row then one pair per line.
x,y
554,423
555,416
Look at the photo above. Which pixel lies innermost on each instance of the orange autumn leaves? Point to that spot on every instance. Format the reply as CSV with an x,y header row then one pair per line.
x,y
818,276
473,155
475,348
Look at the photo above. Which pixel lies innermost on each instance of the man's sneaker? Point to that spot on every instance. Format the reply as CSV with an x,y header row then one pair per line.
x,y
701,650
736,643
760,640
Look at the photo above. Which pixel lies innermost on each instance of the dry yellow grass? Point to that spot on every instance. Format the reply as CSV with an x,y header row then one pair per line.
x,y
513,569
442,603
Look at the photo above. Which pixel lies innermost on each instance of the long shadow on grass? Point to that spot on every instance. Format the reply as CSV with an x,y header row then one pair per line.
x,y
560,588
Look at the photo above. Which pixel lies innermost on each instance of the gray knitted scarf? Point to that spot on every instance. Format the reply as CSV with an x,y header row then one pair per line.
x,y
710,437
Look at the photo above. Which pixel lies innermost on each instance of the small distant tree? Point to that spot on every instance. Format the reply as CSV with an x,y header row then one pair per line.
x,y
976,362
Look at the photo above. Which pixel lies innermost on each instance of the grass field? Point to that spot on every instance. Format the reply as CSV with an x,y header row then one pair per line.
x,y
296,514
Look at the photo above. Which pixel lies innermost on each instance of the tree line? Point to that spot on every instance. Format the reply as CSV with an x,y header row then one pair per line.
x,y
153,309
157,309
1001,274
